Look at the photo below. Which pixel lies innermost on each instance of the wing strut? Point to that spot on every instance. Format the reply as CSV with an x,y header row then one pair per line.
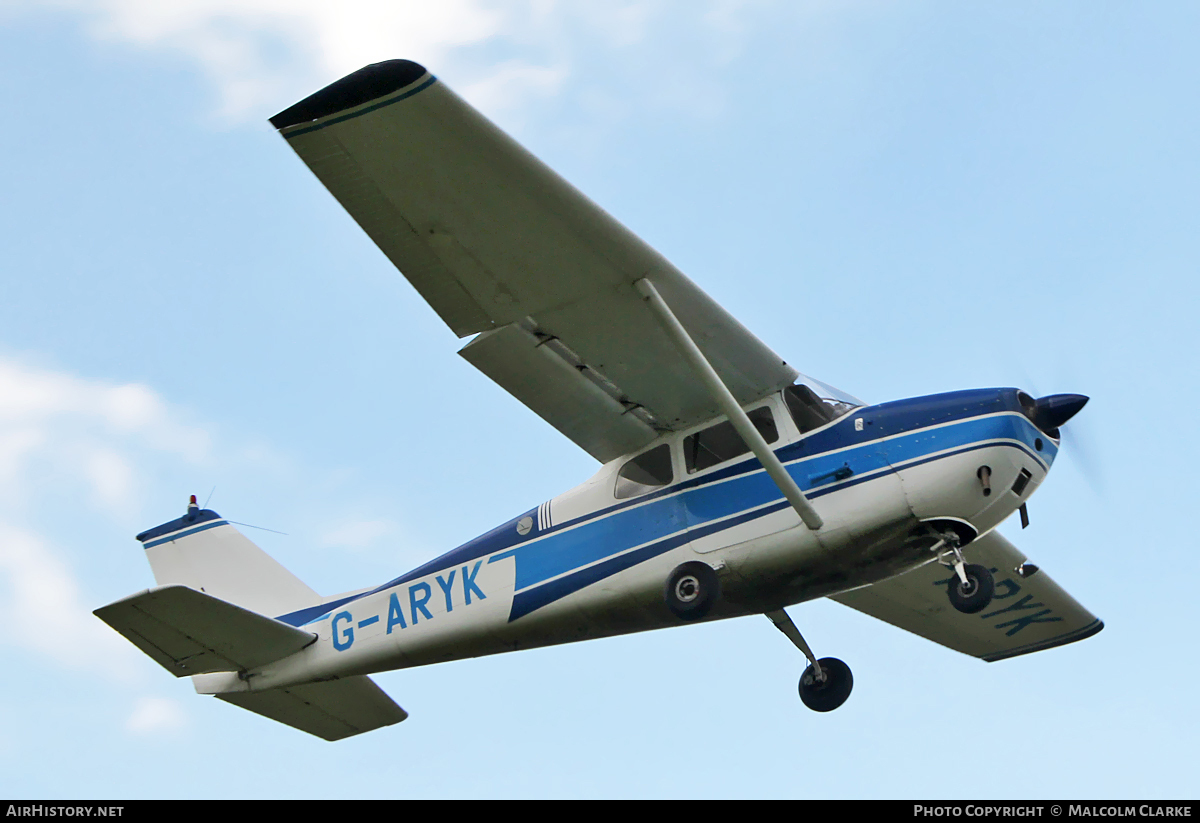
x,y
729,405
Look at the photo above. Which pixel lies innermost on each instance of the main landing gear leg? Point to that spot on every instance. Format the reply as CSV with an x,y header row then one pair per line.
x,y
827,682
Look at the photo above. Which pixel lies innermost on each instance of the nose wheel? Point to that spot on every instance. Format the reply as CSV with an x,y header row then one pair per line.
x,y
827,682
972,586
971,589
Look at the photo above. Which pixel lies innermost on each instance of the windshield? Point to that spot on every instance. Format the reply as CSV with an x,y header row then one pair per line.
x,y
828,392
813,403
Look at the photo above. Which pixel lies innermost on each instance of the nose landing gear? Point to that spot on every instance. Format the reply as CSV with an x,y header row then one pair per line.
x,y
971,591
972,587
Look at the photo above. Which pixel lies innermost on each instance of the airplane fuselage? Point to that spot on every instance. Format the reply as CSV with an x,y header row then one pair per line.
x,y
587,564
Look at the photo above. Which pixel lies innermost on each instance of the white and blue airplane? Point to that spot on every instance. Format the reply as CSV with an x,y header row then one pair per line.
x,y
731,484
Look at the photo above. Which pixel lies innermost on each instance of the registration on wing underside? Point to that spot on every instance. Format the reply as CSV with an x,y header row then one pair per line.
x,y
1027,614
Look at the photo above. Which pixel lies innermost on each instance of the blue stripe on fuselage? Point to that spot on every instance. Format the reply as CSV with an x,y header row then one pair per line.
x,y
951,423
527,601
604,537
563,551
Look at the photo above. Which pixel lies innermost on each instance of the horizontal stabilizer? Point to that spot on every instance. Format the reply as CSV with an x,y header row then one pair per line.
x,y
1029,612
330,710
188,632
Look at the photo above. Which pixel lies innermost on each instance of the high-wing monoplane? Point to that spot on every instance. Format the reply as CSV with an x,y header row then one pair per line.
x,y
730,484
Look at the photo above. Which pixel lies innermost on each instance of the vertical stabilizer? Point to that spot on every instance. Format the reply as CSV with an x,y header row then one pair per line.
x,y
202,551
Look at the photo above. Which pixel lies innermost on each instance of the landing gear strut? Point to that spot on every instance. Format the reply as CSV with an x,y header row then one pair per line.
x,y
827,682
972,587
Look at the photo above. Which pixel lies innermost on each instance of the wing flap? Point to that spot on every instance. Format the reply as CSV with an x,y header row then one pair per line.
x,y
188,632
1027,614
490,236
331,710
559,391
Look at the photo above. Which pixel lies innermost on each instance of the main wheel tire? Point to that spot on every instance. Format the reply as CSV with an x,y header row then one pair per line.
x,y
826,695
976,596
692,589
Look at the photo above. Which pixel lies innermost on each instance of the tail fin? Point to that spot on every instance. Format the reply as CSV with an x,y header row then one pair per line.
x,y
202,551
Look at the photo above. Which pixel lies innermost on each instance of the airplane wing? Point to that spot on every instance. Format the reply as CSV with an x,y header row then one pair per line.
x,y
1027,614
502,247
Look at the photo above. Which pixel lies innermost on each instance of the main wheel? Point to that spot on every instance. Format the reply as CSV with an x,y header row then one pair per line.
x,y
692,589
826,695
977,594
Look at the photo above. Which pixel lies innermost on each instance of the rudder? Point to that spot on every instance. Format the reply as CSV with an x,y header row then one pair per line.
x,y
202,551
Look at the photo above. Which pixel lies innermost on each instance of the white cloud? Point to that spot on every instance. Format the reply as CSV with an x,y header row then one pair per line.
x,y
81,436
509,83
111,476
153,715
42,610
263,52
262,55
69,442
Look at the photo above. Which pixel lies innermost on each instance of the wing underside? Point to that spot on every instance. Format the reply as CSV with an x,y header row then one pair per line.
x,y
1027,614
501,246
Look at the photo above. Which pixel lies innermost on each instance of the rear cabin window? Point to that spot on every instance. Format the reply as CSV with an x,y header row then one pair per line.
x,y
721,442
645,473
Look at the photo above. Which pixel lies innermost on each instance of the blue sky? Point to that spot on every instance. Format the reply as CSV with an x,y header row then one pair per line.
x,y
898,198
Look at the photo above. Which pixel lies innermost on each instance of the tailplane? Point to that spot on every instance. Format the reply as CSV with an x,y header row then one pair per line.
x,y
211,613
187,632
330,710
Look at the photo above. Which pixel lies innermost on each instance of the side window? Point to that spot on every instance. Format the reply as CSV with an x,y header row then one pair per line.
x,y
645,472
722,442
807,409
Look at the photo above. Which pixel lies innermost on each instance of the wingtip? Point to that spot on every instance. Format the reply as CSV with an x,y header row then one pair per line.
x,y
366,84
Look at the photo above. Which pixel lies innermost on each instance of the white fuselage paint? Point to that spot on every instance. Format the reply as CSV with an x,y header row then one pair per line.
x,y
466,608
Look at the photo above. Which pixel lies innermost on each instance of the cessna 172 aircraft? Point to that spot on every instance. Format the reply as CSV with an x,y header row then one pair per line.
x,y
731,484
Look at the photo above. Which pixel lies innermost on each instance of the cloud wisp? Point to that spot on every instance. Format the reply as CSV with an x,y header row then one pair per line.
x,y
84,444
261,55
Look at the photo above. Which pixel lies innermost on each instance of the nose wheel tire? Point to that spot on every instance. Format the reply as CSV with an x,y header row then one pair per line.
x,y
692,589
977,594
826,695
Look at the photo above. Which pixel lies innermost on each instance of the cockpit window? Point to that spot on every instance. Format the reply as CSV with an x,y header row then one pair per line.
x,y
721,442
811,410
645,472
